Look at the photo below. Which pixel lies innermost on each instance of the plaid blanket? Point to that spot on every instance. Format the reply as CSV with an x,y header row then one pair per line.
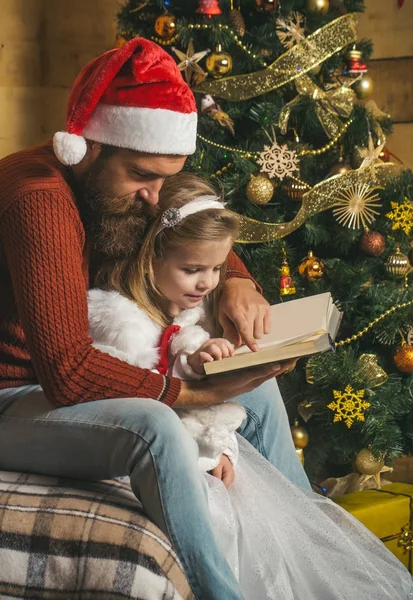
x,y
70,539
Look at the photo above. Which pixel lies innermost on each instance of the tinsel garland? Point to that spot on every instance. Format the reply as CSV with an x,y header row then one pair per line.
x,y
312,51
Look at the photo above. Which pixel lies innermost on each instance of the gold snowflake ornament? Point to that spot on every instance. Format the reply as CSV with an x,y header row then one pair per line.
x,y
356,206
189,62
402,215
290,30
278,161
349,406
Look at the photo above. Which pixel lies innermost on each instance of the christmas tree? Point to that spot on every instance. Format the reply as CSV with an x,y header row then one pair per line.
x,y
290,132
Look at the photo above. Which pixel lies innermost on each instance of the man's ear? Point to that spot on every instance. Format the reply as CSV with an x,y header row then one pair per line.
x,y
93,150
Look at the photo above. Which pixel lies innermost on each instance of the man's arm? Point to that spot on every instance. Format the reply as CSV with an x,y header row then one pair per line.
x,y
42,237
236,269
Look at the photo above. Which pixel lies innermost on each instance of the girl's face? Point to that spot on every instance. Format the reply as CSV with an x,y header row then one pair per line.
x,y
185,276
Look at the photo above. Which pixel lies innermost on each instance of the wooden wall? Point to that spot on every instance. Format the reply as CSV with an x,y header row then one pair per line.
x,y
391,30
43,46
45,43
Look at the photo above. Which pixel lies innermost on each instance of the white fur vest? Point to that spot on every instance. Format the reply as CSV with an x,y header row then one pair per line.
x,y
120,328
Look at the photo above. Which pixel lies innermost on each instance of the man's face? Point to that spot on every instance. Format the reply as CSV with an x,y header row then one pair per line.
x,y
120,192
126,174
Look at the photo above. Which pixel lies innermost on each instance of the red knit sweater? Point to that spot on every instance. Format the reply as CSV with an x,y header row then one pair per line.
x,y
43,284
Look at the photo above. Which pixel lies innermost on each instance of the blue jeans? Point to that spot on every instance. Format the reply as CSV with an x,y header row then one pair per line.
x,y
146,440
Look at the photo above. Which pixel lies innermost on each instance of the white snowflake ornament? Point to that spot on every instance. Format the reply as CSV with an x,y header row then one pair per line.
x,y
290,29
278,161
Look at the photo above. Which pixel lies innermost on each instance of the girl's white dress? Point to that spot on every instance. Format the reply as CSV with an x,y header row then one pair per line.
x,y
282,542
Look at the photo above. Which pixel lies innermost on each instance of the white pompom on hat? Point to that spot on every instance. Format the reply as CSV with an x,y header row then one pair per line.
x,y
131,97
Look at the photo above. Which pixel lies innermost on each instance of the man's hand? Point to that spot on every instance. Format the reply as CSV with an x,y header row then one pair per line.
x,y
224,471
219,388
243,313
210,350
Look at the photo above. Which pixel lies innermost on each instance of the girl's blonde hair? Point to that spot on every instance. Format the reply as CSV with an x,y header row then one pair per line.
x,y
134,277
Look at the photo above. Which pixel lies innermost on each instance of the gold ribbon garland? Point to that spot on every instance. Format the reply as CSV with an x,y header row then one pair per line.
x,y
324,42
329,105
319,198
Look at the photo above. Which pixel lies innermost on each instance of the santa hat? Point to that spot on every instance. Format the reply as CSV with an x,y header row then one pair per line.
x,y
131,97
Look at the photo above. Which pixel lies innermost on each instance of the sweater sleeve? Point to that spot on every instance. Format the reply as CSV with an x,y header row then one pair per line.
x,y
236,268
42,238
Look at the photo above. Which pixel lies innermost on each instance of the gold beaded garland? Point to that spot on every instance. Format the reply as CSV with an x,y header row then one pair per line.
x,y
372,323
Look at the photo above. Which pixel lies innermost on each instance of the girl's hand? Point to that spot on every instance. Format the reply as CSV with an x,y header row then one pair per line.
x,y
224,471
210,350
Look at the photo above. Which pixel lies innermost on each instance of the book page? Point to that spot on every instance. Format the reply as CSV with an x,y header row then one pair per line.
x,y
294,321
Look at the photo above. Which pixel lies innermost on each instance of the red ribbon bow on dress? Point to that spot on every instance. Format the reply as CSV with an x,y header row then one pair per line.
x,y
162,365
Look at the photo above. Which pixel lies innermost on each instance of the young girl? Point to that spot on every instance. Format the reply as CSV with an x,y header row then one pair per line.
x,y
282,542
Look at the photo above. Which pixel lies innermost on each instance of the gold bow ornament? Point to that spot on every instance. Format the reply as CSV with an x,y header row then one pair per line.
x,y
330,105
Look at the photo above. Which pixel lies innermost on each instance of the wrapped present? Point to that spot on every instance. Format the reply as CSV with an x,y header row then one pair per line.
x,y
388,513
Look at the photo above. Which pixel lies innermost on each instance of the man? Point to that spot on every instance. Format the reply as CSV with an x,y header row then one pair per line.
x,y
66,408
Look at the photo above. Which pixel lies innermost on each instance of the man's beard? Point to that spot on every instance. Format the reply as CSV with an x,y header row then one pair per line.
x,y
115,226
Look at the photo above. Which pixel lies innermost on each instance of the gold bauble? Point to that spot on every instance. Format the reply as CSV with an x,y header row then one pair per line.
x,y
317,6
410,257
339,168
403,358
367,464
397,264
219,64
165,26
267,5
294,190
300,435
260,189
385,155
311,267
120,41
363,88
300,455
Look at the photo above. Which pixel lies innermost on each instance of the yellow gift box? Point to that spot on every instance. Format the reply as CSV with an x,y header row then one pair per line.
x,y
388,513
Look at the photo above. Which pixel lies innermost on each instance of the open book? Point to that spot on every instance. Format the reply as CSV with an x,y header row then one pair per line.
x,y
298,328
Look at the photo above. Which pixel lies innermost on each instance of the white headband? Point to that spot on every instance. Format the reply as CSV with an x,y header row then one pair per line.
x,y
172,216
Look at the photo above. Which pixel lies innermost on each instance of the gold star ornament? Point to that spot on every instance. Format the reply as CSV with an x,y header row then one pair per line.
x,y
370,156
189,63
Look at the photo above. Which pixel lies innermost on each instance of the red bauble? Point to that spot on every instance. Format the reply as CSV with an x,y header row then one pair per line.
x,y
208,8
373,243
266,5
